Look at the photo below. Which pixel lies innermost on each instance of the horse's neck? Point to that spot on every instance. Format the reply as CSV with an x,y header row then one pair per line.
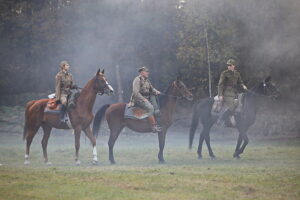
x,y
252,98
169,106
87,97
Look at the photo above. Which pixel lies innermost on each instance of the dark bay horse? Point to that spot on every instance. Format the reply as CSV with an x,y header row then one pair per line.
x,y
114,114
244,120
80,117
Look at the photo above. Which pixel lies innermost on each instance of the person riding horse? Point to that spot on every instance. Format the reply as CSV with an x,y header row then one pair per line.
x,y
143,96
64,84
229,82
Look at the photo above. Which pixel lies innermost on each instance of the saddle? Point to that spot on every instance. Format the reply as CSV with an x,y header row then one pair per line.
x,y
218,108
134,112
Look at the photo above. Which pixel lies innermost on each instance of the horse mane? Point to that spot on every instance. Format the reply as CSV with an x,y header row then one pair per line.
x,y
163,99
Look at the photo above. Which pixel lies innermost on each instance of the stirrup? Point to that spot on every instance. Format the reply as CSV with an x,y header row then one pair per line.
x,y
156,129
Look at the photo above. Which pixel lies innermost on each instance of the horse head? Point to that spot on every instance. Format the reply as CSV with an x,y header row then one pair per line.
x,y
181,90
268,88
101,85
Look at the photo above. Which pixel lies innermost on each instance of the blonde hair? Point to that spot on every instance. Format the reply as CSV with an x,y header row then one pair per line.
x,y
62,64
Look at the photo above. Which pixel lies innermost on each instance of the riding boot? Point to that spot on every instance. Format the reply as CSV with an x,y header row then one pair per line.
x,y
154,126
62,116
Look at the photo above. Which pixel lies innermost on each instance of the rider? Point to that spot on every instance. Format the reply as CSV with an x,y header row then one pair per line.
x,y
143,96
63,86
229,82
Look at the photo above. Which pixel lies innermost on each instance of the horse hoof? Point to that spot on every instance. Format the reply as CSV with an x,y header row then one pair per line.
x,y
48,163
112,162
95,162
162,162
236,155
77,163
27,162
213,157
200,157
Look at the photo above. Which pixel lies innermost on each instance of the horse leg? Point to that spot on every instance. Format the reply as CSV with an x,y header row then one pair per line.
x,y
90,135
199,151
29,137
47,130
207,140
239,142
246,141
77,145
161,141
111,142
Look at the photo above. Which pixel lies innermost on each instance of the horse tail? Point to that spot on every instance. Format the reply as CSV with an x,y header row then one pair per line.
x,y
28,105
98,119
199,109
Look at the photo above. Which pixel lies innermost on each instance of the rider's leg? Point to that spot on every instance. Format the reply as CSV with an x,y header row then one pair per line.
x,y
157,114
63,108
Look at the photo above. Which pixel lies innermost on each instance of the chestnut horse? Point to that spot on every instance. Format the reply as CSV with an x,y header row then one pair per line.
x,y
80,117
114,114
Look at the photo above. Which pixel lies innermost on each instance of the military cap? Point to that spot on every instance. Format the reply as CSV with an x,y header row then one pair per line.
x,y
143,69
231,62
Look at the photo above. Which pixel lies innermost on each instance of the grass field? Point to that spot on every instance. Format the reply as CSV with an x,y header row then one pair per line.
x,y
269,169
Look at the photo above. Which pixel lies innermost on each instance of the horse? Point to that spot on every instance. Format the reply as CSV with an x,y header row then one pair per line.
x,y
80,116
114,114
202,111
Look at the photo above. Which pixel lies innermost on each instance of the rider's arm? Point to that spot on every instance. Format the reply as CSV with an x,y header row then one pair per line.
x,y
241,82
136,89
221,85
57,86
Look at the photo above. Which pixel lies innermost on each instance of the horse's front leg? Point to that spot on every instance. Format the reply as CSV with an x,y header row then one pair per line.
x,y
161,141
77,145
90,135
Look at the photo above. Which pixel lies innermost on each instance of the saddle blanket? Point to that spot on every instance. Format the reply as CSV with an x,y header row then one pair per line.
x,y
132,112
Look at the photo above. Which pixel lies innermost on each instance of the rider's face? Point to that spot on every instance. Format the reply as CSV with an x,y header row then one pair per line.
x,y
145,74
66,67
231,67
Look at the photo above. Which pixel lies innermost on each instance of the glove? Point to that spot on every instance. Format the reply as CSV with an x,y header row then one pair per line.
x,y
75,87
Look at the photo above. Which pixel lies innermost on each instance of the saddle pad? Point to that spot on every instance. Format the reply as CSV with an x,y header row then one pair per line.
x,y
135,113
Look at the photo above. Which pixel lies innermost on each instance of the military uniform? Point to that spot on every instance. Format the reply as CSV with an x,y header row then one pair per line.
x,y
64,84
228,87
143,89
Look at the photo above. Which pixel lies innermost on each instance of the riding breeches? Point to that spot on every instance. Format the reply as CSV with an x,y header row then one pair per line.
x,y
150,106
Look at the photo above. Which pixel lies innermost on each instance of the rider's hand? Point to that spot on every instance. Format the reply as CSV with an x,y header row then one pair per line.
x,y
245,87
158,92
221,98
145,100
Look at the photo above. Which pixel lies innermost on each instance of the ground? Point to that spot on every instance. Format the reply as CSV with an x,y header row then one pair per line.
x,y
269,169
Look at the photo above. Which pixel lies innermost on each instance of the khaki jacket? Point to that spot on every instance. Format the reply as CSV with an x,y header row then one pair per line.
x,y
229,83
63,84
141,89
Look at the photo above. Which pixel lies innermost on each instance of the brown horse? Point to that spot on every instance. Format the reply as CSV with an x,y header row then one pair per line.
x,y
114,114
80,117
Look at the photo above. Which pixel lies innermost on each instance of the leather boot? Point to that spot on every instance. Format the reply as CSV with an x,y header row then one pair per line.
x,y
62,115
154,126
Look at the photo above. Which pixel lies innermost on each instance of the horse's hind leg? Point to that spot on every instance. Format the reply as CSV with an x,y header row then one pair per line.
x,y
47,130
90,135
111,142
207,140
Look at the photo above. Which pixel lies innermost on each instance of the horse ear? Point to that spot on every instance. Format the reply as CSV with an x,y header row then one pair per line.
x,y
102,71
98,71
268,79
178,78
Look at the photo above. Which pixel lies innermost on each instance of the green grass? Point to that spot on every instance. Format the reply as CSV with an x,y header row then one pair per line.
x,y
269,169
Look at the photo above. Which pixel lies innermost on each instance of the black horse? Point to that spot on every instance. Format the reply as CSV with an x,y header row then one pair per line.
x,y
244,120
